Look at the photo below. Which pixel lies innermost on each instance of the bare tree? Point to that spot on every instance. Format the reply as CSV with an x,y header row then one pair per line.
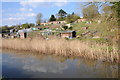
x,y
39,18
90,12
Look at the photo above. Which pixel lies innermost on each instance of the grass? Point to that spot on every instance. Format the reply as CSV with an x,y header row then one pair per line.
x,y
1,78
64,47
104,29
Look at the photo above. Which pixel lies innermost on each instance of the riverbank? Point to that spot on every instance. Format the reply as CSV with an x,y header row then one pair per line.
x,y
64,47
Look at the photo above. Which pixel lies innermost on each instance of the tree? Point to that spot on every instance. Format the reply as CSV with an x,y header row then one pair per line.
x,y
116,8
90,12
71,18
52,18
73,13
4,29
26,25
108,14
31,24
111,18
65,27
62,14
61,19
11,27
107,9
39,18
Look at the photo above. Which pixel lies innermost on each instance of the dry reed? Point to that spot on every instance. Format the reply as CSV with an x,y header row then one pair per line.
x,y
62,47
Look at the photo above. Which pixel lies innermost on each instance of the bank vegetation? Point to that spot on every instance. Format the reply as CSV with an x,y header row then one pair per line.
x,y
62,47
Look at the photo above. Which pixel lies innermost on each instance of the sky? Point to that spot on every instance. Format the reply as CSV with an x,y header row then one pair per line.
x,y
14,13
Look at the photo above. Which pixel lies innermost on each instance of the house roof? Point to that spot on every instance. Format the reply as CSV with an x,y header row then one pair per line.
x,y
66,31
25,30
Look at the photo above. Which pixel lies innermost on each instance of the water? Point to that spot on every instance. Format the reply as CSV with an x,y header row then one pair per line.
x,y
34,65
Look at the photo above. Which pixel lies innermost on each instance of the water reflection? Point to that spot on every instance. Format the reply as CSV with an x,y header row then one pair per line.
x,y
47,65
0,65
26,64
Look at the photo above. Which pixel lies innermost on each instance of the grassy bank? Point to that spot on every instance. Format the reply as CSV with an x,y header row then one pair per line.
x,y
64,47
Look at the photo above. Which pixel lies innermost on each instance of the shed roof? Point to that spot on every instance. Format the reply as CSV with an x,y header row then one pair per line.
x,y
25,30
67,31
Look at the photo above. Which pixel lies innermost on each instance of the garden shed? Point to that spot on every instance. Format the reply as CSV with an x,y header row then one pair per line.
x,y
68,34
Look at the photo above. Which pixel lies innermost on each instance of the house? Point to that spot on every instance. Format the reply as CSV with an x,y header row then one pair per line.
x,y
11,31
46,32
69,25
34,28
13,35
25,30
44,24
96,37
6,35
1,35
68,34
85,28
53,26
61,22
53,22
57,22
39,28
23,33
85,33
80,20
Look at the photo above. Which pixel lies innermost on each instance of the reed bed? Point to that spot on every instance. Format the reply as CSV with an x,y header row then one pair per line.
x,y
62,47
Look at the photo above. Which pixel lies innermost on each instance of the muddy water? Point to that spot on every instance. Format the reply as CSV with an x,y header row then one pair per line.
x,y
34,65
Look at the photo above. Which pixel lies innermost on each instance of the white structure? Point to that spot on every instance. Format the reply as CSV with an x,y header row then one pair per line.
x,y
25,30
69,25
96,37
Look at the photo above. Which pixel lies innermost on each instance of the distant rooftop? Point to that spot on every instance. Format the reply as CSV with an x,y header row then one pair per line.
x,y
66,31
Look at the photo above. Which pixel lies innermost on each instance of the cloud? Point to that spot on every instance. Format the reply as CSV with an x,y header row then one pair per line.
x,y
12,21
16,18
24,15
48,65
37,3
59,4
31,15
25,9
30,4
62,0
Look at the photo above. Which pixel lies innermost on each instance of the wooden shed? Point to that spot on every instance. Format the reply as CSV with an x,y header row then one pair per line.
x,y
1,35
13,35
23,35
68,34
